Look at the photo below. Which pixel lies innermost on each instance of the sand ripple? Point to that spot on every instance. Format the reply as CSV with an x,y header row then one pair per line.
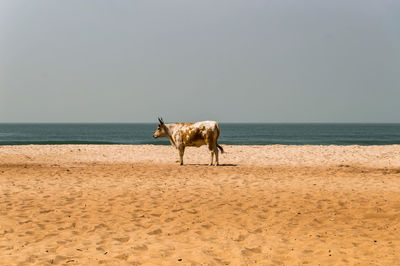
x,y
85,213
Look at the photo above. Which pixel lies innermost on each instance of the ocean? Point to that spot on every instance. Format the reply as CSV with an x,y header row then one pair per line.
x,y
231,133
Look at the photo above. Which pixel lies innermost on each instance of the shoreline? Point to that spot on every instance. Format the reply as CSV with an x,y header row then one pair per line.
x,y
378,156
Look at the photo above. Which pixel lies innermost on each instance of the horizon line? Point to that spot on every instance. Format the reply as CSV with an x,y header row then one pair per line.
x,y
224,122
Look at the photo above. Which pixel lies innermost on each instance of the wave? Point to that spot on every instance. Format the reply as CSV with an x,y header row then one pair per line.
x,y
25,142
79,142
261,143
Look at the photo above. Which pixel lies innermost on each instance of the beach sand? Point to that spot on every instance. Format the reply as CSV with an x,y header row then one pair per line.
x,y
134,205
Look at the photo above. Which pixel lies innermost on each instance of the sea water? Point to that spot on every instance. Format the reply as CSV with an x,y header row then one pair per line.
x,y
231,133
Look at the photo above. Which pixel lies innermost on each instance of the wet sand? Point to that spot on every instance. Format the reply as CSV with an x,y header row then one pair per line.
x,y
117,205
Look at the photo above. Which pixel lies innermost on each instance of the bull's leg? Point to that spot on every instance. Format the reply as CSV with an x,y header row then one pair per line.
x,y
211,149
181,152
216,156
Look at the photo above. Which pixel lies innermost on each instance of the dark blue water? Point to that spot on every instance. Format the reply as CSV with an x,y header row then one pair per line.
x,y
235,134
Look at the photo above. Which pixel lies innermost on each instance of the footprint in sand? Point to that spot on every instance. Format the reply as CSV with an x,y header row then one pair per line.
x,y
155,232
140,247
101,249
58,259
122,239
192,211
99,226
251,251
207,226
307,251
122,256
239,238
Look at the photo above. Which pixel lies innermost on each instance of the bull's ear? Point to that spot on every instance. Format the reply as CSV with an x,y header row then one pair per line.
x,y
161,121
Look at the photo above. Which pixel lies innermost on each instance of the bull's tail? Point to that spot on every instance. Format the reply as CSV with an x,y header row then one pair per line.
x,y
220,148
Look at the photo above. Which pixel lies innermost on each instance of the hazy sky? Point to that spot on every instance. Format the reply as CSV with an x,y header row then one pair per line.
x,y
231,61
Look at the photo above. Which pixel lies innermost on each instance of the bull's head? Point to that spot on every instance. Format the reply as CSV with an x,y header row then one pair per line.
x,y
161,130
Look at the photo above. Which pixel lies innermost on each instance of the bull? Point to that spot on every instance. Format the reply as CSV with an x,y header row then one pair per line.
x,y
183,135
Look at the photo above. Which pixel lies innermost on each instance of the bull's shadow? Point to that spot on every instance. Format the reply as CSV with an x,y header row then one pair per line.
x,y
204,164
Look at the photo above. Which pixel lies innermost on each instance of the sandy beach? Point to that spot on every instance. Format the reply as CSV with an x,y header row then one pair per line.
x,y
134,205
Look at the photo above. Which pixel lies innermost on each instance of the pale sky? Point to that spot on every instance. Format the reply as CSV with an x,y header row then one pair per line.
x,y
230,61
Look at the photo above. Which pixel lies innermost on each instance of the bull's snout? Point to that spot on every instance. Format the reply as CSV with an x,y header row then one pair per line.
x,y
154,136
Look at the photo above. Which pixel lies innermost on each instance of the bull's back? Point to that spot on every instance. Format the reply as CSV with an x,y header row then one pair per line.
x,y
199,133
